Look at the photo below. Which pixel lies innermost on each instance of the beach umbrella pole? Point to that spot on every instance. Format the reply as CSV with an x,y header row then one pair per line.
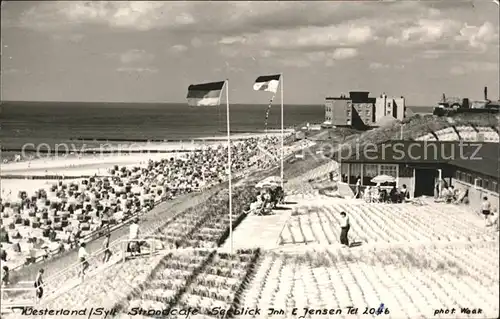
x,y
229,169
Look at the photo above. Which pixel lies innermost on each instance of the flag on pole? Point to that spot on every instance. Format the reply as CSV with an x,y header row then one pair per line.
x,y
267,83
205,94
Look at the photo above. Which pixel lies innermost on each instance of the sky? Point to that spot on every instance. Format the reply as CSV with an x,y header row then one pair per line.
x,y
126,51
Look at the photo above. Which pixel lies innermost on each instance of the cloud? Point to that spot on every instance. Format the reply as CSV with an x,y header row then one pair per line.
x,y
196,42
74,38
138,15
425,31
10,71
432,54
378,66
327,58
472,67
478,37
440,53
178,48
266,53
308,39
437,31
137,70
344,53
210,17
135,55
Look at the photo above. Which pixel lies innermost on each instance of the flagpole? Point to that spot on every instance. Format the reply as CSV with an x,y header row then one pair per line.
x,y
282,130
229,170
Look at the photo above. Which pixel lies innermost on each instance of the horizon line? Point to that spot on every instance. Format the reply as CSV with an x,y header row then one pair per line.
x,y
183,102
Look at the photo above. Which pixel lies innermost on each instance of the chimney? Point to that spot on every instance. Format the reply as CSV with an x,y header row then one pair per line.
x,y
486,93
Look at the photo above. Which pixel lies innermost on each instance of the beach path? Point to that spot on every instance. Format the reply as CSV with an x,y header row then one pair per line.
x,y
259,231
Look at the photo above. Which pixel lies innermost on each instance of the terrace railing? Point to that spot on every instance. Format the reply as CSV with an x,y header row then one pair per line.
x,y
70,277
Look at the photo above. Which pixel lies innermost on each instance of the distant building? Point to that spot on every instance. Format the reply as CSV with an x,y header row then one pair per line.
x,y
390,106
358,109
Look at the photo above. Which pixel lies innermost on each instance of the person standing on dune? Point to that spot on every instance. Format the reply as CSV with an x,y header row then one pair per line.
x,y
344,226
39,284
105,247
83,256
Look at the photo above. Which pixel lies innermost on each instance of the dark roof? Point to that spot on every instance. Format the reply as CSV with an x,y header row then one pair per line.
x,y
483,159
478,157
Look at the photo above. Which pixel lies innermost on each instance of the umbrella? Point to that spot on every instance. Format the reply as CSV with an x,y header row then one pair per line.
x,y
274,179
383,179
265,184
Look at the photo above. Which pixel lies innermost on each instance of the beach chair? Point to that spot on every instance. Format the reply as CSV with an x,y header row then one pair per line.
x,y
375,197
416,201
367,196
254,208
263,209
280,197
260,210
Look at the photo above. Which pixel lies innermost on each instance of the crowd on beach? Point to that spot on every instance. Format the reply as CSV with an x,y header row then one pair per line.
x,y
56,219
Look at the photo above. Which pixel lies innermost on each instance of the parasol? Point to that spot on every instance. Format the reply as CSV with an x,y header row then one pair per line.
x,y
383,179
274,179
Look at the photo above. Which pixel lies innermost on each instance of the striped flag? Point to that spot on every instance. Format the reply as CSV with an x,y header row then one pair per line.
x,y
267,83
205,94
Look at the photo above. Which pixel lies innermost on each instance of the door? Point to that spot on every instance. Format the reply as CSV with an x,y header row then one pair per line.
x,y
424,181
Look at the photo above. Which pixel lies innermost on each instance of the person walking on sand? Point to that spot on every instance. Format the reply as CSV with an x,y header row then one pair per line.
x,y
358,188
344,226
105,247
5,281
133,235
83,256
39,284
5,276
486,209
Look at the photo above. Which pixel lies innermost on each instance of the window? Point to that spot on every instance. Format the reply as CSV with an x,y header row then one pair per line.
x,y
494,187
463,176
355,172
405,171
478,182
486,184
391,170
344,170
369,172
469,179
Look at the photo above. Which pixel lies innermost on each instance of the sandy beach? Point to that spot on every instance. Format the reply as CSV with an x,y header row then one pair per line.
x,y
40,175
99,164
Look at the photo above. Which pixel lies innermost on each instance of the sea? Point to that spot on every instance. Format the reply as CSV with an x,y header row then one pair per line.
x,y
61,122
